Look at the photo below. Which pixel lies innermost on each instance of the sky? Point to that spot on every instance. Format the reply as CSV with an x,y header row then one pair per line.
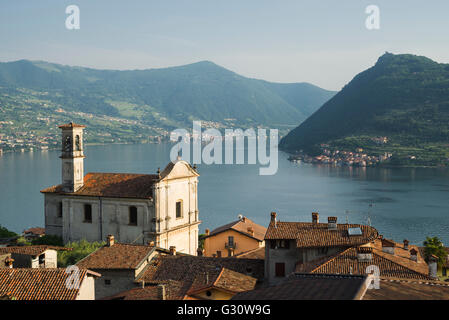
x,y
324,42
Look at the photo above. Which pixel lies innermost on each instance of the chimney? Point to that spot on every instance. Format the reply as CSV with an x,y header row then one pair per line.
x,y
110,240
172,250
151,243
8,262
414,255
315,217
433,266
388,246
207,232
243,219
251,231
364,254
406,242
161,294
332,223
273,218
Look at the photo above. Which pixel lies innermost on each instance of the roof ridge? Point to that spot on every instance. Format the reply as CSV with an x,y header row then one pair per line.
x,y
399,264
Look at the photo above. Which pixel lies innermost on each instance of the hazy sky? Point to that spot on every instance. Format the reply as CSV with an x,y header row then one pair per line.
x,y
323,42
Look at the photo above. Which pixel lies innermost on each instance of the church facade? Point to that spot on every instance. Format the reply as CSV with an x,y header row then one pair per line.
x,y
134,208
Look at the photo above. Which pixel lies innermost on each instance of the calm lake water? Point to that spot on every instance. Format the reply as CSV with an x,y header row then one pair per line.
x,y
400,203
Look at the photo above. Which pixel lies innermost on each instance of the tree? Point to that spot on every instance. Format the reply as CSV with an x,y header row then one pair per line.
x,y
80,249
50,240
434,246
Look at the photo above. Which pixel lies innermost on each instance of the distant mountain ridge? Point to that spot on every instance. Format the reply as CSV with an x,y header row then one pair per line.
x,y
169,96
404,97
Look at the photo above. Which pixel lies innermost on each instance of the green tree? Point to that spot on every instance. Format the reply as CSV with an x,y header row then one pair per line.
x,y
201,241
5,233
80,250
50,240
434,246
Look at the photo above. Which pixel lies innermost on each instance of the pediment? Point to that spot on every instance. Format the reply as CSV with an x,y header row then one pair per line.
x,y
177,170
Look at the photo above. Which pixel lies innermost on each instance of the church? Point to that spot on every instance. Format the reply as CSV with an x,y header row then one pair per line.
x,y
134,208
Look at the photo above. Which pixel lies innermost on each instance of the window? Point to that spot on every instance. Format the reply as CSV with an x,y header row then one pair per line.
x,y
107,282
132,216
444,272
179,209
88,213
280,244
280,269
219,254
42,259
230,241
77,143
59,209
208,293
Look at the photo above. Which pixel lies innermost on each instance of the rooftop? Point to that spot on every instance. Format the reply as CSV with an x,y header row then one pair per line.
x,y
242,226
310,287
118,256
309,234
114,185
38,284
31,250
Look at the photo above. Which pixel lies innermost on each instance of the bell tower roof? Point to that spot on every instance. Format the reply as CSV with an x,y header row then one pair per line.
x,y
71,125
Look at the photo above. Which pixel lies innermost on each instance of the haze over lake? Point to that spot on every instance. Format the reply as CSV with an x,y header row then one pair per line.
x,y
401,203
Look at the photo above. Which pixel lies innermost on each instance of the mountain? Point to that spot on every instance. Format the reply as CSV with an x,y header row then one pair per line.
x,y
167,98
403,97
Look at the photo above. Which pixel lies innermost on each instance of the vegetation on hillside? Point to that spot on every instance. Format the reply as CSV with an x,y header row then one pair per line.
x,y
434,246
402,97
5,233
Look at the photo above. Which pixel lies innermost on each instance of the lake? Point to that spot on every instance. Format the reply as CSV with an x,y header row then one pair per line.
x,y
401,203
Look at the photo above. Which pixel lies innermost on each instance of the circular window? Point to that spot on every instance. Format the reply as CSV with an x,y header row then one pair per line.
x,y
208,293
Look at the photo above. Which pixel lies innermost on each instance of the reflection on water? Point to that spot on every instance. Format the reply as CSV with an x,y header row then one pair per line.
x,y
402,203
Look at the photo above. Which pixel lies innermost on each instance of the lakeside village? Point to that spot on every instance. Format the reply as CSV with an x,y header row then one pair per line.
x,y
356,158
127,236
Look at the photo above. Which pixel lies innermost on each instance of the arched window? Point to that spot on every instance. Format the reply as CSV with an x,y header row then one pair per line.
x,y
77,143
132,216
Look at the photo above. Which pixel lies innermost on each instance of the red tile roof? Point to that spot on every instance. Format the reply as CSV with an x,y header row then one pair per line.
x,y
36,231
38,284
389,265
200,272
31,250
114,185
150,292
309,235
258,253
118,256
242,226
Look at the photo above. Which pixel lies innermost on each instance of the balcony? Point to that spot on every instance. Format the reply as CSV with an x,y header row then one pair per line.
x,y
230,245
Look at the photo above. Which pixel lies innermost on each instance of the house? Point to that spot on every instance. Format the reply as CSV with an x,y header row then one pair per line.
x,y
331,248
135,208
233,238
46,284
443,269
312,287
33,233
119,264
185,277
38,256
288,244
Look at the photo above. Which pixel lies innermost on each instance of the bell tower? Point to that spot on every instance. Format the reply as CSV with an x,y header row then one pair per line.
x,y
72,157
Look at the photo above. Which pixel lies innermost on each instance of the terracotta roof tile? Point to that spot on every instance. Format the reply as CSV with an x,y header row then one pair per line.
x,y
114,185
199,271
71,125
31,250
36,231
347,263
242,227
37,284
258,253
118,256
150,292
309,235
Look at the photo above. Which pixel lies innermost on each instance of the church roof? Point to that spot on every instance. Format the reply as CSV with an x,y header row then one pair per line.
x,y
114,185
